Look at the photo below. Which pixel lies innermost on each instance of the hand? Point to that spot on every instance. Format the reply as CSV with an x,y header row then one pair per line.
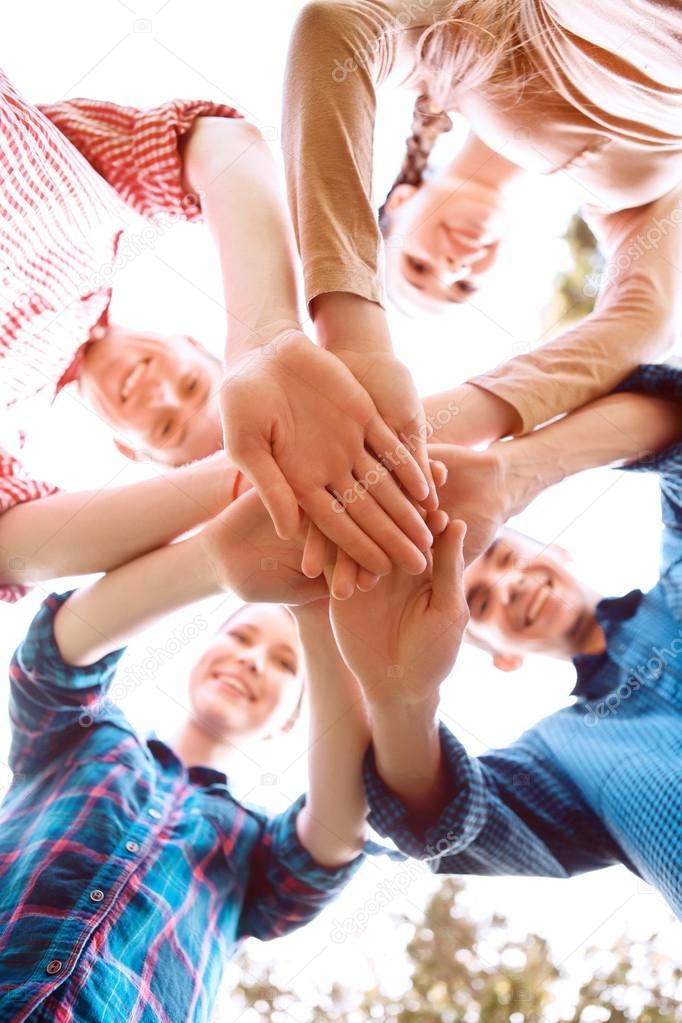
x,y
301,428
401,640
390,386
477,491
346,575
249,558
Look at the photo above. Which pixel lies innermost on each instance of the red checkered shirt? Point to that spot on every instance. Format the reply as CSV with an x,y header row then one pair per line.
x,y
74,176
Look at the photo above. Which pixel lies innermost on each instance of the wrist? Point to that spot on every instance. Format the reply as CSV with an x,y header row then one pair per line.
x,y
526,473
350,322
255,333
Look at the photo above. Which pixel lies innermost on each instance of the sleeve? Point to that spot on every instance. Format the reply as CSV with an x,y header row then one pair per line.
x,y
665,381
636,319
137,151
512,812
340,51
15,488
50,702
286,886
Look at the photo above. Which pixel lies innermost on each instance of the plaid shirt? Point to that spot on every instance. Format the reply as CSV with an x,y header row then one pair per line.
x,y
125,879
598,782
73,177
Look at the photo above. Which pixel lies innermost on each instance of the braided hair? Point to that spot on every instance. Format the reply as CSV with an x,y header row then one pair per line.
x,y
428,123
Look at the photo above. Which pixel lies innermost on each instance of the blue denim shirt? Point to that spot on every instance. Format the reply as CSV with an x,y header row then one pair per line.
x,y
600,781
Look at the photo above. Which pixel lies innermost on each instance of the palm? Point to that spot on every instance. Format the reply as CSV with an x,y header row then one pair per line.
x,y
282,410
249,557
401,639
474,491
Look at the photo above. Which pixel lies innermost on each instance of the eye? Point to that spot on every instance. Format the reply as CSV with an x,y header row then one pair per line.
x,y
166,429
239,636
191,386
416,266
507,558
287,666
465,287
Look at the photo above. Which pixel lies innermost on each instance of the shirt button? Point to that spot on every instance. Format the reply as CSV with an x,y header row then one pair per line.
x,y
156,814
132,846
54,967
97,895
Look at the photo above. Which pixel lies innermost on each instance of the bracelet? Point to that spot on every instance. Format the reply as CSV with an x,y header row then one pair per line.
x,y
235,486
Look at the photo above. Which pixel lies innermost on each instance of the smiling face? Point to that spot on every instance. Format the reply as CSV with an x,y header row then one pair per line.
x,y
442,239
522,599
158,393
248,682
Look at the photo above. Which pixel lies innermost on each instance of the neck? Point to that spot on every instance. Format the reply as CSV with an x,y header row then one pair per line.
x,y
476,162
198,748
591,638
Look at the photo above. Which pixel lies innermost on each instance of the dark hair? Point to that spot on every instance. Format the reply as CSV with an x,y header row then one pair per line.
x,y
428,123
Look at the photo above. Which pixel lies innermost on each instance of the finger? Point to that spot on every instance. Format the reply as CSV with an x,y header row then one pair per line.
x,y
448,569
437,522
344,577
373,477
274,491
374,522
415,440
366,581
399,459
331,518
312,562
439,472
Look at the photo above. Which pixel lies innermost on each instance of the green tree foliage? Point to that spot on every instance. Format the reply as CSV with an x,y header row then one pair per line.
x,y
576,288
458,970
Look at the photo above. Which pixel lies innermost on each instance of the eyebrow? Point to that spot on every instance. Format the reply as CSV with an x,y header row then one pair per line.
x,y
473,593
491,550
283,646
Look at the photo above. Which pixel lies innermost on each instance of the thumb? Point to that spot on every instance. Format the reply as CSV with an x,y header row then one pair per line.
x,y
448,569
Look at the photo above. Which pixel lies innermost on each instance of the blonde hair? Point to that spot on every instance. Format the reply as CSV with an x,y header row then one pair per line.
x,y
475,44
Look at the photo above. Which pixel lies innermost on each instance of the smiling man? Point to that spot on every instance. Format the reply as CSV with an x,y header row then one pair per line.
x,y
598,782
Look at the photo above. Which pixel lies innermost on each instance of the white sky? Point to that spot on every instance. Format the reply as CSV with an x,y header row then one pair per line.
x,y
144,53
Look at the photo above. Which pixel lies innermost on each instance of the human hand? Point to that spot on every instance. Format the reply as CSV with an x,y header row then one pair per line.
x,y
401,640
476,490
282,407
248,557
346,576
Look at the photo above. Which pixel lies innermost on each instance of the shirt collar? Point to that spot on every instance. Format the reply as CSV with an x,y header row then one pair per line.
x,y
610,613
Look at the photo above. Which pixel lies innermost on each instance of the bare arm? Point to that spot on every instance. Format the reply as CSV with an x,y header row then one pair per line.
x,y
94,531
332,824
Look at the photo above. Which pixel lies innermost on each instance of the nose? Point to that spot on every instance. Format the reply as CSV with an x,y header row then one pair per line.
x,y
254,658
511,585
162,394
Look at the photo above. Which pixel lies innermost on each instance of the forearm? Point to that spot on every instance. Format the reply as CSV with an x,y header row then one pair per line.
x,y
469,415
616,429
105,615
409,758
231,165
94,531
332,824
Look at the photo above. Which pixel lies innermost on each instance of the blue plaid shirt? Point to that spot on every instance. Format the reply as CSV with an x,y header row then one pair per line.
x,y
126,880
598,782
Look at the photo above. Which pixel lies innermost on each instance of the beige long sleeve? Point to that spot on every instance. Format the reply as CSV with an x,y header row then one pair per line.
x,y
339,53
637,319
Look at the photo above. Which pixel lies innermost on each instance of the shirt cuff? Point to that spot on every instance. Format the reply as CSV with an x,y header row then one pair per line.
x,y
299,863
459,823
39,659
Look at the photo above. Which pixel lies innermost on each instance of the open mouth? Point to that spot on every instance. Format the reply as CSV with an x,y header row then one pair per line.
x,y
537,604
235,684
133,378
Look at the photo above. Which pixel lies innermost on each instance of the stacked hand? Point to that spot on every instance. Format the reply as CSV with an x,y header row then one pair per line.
x,y
305,429
402,639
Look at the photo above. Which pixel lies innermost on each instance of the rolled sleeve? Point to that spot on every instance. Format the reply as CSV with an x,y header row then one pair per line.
x,y
287,886
49,698
16,487
137,151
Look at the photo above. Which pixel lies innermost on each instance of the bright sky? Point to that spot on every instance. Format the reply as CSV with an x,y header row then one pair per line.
x,y
144,53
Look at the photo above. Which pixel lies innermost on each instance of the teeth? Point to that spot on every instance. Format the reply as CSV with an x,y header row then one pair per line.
x,y
538,603
132,378
233,683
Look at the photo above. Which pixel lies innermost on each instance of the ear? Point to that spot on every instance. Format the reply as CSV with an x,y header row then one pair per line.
x,y
507,662
400,195
127,452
